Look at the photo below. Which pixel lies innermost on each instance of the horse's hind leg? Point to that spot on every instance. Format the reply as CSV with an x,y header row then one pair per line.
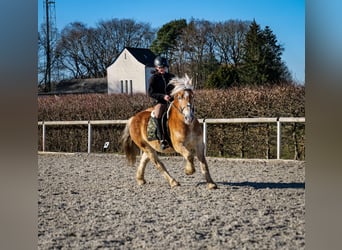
x,y
160,166
141,169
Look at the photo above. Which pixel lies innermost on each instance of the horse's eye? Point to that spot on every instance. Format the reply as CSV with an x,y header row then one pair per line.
x,y
180,97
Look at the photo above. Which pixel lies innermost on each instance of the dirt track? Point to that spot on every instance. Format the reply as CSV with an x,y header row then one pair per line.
x,y
93,201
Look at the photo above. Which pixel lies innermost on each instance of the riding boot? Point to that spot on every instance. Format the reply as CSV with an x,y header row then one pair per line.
x,y
163,143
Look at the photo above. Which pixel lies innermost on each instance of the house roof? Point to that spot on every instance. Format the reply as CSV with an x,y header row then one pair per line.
x,y
145,56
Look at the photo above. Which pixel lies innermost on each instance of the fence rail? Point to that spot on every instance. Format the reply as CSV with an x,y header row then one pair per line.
x,y
277,120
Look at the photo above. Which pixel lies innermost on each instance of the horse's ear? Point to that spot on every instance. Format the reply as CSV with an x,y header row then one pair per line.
x,y
189,80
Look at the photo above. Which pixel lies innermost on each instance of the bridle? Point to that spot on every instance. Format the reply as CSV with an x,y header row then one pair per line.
x,y
181,109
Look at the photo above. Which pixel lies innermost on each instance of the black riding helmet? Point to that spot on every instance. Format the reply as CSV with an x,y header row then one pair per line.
x,y
160,62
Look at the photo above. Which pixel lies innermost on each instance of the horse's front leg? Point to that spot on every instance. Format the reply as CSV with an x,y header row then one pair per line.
x,y
190,166
204,166
189,157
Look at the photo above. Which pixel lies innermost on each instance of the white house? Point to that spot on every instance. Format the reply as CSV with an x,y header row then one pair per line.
x,y
131,71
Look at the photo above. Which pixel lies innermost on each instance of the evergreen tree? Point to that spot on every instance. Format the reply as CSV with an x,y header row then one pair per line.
x,y
251,58
262,62
271,57
167,37
226,76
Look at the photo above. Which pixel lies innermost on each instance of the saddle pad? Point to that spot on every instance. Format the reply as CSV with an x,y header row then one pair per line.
x,y
151,130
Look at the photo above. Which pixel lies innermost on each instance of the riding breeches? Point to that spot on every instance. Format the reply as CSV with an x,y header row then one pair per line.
x,y
159,109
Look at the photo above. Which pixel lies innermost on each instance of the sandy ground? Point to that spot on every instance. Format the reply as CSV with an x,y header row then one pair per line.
x,y
93,202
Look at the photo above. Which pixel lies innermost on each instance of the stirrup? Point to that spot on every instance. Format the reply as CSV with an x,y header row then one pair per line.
x,y
164,144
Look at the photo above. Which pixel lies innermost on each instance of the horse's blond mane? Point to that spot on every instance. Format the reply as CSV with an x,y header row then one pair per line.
x,y
180,84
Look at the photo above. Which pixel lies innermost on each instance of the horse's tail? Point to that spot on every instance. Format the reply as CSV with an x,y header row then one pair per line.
x,y
130,149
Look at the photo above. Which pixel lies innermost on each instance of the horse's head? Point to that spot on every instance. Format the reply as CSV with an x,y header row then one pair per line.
x,y
183,97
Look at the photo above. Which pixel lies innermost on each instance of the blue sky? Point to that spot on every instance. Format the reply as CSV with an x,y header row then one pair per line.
x,y
286,18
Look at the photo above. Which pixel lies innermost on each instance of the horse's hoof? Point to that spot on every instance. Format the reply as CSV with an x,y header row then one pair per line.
x,y
141,182
212,186
174,184
190,171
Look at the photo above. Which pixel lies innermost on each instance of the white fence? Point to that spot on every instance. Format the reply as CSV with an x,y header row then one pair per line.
x,y
278,121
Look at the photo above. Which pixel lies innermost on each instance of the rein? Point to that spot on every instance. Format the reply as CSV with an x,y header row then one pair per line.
x,y
172,105
180,110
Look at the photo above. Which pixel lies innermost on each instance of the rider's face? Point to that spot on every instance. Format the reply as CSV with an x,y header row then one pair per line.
x,y
161,69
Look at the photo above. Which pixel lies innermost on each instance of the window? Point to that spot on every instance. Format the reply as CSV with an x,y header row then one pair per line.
x,y
126,87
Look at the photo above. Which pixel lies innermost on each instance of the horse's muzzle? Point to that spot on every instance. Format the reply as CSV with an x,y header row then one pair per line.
x,y
189,117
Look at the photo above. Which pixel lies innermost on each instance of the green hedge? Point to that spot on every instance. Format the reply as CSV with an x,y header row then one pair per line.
x,y
226,140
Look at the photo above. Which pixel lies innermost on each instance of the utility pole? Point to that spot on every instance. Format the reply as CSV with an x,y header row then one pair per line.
x,y
50,19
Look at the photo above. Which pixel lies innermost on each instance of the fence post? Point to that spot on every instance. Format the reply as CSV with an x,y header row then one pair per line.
x,y
89,137
278,139
43,136
205,137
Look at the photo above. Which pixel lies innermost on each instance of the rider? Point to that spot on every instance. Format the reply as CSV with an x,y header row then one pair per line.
x,y
160,90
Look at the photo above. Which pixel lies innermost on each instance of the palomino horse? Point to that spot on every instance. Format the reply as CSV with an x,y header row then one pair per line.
x,y
185,134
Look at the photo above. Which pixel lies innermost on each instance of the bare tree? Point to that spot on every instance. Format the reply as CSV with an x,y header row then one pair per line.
x,y
87,52
228,38
69,49
196,40
114,35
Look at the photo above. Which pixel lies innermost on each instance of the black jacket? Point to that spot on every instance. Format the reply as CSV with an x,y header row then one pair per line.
x,y
159,87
